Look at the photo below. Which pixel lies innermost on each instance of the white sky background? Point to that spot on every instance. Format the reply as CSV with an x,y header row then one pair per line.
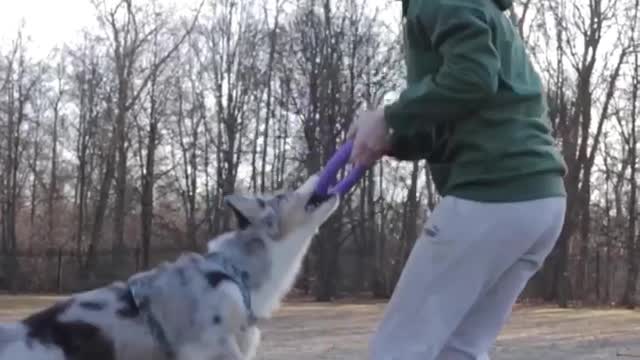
x,y
50,23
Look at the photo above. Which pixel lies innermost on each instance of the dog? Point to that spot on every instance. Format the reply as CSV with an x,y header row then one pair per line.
x,y
199,307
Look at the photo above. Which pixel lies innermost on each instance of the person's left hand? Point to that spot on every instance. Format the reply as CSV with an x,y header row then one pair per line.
x,y
369,133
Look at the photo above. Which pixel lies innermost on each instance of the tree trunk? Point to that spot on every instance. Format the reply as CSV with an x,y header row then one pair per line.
x,y
631,248
148,182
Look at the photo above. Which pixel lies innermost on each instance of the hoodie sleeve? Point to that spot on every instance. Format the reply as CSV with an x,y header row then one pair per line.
x,y
462,36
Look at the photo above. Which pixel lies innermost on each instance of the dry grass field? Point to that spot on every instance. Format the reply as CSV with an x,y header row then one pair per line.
x,y
311,331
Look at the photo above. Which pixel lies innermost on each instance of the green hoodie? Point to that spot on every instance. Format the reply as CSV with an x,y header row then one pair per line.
x,y
474,106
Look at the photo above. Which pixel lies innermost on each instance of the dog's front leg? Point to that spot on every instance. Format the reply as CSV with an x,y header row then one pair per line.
x,y
249,341
230,349
222,348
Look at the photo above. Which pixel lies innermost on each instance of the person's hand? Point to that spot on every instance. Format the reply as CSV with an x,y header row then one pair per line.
x,y
369,133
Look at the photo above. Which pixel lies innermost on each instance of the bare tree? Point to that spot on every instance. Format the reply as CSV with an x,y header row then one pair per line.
x,y
631,248
128,39
87,92
21,78
578,30
230,39
58,120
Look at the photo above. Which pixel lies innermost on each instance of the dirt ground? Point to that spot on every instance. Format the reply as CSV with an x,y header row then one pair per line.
x,y
306,331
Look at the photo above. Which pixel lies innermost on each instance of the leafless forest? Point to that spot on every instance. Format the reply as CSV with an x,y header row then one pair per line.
x,y
116,149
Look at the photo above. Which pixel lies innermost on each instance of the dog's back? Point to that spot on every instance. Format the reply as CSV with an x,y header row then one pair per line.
x,y
86,326
15,344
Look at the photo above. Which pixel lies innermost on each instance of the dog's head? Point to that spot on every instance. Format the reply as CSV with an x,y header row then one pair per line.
x,y
285,215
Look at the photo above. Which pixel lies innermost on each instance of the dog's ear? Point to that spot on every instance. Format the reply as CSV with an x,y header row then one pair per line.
x,y
246,209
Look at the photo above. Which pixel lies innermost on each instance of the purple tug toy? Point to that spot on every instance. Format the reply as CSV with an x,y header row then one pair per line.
x,y
327,186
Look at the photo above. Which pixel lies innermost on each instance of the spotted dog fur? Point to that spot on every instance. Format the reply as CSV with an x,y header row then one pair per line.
x,y
195,308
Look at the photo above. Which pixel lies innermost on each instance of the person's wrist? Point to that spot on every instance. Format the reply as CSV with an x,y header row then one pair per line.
x,y
389,132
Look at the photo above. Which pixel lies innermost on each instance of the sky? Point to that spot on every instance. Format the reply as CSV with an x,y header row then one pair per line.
x,y
50,23
47,22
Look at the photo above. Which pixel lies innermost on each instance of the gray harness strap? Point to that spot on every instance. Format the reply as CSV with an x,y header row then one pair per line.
x,y
141,289
224,265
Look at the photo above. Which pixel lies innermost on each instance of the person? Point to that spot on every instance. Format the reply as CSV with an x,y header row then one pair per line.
x,y
474,107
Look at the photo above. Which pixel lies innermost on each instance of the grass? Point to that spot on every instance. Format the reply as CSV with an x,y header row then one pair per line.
x,y
307,330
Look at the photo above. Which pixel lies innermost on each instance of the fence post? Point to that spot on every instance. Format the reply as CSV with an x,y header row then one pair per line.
x,y
59,272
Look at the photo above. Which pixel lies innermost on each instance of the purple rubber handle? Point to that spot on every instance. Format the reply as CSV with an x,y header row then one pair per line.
x,y
330,173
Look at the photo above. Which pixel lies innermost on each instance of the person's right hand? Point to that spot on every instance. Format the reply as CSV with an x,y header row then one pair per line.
x,y
369,133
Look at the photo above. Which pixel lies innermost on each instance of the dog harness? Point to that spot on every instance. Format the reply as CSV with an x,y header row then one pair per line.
x,y
224,265
141,288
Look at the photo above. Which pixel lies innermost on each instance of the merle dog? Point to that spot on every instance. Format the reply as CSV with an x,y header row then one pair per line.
x,y
200,307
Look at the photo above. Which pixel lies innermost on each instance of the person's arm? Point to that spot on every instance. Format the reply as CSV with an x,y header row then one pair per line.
x,y
461,34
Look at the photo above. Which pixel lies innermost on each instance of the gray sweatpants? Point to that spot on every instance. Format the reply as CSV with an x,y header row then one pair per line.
x,y
463,276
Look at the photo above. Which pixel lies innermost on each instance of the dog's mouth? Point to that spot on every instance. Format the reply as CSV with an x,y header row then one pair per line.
x,y
316,200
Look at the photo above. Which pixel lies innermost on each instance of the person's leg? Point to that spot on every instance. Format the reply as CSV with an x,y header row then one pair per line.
x,y
465,249
479,329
